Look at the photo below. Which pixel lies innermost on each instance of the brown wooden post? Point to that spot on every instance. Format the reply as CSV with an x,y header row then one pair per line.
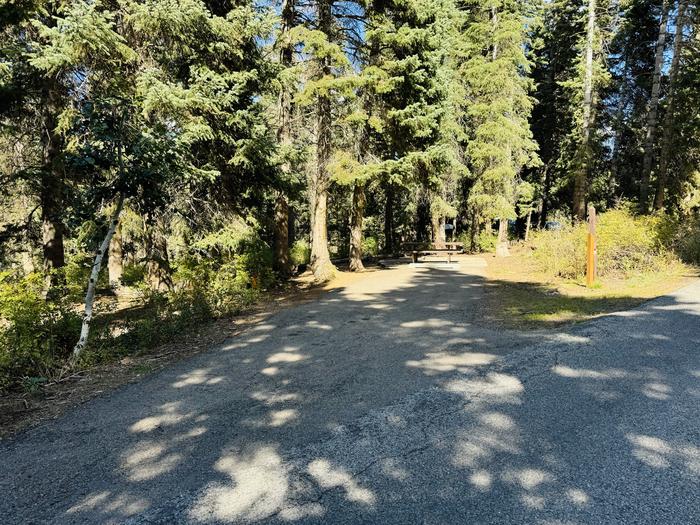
x,y
592,255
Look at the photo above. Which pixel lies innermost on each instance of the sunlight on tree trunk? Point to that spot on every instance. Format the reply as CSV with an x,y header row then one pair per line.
x,y
356,218
115,263
502,244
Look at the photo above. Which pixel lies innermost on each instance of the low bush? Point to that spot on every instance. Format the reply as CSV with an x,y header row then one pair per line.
x,y
370,247
300,253
36,335
485,242
626,244
133,274
682,235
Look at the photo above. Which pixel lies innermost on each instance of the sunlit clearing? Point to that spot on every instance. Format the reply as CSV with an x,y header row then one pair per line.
x,y
502,386
282,417
124,504
656,391
577,496
527,478
272,398
427,323
498,421
650,450
169,417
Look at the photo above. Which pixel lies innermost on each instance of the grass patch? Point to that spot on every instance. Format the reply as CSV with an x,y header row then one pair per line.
x,y
521,295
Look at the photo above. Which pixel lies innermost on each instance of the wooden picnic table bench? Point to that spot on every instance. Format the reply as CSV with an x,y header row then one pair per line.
x,y
435,251
418,249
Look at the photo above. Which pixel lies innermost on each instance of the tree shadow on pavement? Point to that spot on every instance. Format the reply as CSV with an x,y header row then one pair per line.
x,y
391,401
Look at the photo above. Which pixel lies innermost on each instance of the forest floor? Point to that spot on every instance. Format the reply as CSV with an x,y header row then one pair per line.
x,y
514,295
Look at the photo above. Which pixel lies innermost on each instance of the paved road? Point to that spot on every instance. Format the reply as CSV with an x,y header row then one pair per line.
x,y
390,401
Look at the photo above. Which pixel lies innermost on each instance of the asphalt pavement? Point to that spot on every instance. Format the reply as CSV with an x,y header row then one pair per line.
x,y
389,401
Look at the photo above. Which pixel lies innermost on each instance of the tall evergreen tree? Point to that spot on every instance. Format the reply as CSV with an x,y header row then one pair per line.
x,y
498,88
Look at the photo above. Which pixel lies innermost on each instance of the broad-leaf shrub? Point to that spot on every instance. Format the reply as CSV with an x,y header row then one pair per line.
x,y
36,334
300,253
626,244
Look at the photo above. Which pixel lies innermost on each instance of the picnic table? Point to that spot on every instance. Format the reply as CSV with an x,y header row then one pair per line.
x,y
418,249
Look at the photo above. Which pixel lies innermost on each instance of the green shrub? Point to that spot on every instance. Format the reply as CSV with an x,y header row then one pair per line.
x,y
300,252
254,264
370,247
681,235
230,292
625,244
133,274
485,242
36,335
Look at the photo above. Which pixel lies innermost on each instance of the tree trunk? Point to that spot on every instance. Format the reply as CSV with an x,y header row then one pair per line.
x,y
389,219
158,261
474,232
442,234
435,229
115,263
662,176
356,219
546,190
581,174
94,274
652,115
321,265
284,139
51,192
528,223
281,262
502,244
437,224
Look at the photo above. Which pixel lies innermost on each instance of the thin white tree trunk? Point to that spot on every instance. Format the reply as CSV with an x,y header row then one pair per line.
x,y
94,274
652,115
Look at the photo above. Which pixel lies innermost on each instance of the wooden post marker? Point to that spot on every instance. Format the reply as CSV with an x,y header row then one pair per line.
x,y
592,255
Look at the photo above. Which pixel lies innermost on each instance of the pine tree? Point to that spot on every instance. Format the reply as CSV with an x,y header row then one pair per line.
x,y
33,102
288,20
668,128
501,142
653,106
